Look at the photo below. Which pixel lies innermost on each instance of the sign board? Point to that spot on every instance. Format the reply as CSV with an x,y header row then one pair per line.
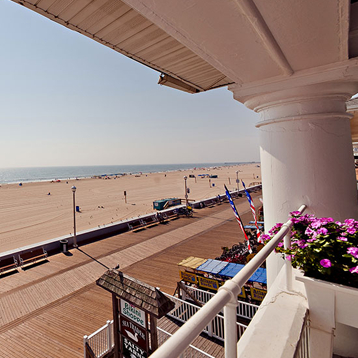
x,y
208,283
130,350
133,313
135,333
257,294
188,277
242,294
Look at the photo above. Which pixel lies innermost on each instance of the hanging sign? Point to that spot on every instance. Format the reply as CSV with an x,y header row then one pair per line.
x,y
208,283
257,294
188,277
135,333
133,313
130,350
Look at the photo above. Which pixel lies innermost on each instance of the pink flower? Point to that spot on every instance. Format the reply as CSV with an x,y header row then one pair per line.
x,y
351,230
322,231
288,257
325,263
353,251
309,231
316,224
342,238
353,269
349,221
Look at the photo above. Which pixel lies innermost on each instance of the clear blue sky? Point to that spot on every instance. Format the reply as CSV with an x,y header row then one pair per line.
x,y
67,100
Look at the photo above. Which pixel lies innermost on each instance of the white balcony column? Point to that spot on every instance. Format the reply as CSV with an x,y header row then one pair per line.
x,y
230,329
306,153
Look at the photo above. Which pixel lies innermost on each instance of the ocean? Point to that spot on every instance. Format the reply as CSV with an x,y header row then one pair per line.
x,y
19,175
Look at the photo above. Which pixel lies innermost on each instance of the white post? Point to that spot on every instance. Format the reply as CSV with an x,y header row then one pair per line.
x,y
287,244
109,335
210,329
304,134
230,330
85,340
183,295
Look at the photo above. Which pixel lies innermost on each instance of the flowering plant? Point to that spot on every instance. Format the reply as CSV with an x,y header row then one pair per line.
x,y
322,248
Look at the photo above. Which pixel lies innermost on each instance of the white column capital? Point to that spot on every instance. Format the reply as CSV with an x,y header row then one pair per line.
x,y
312,101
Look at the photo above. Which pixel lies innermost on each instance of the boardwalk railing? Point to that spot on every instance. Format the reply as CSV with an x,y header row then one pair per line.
x,y
190,352
101,341
244,309
225,299
184,310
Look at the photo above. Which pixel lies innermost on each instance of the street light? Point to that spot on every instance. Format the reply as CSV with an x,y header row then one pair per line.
x,y
237,181
74,217
186,190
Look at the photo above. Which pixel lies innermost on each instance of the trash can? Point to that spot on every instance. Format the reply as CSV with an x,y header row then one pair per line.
x,y
64,245
78,209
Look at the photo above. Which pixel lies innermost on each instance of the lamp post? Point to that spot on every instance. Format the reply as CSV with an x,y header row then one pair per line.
x,y
186,190
237,181
74,217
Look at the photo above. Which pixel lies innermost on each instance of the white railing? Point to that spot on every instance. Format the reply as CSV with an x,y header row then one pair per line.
x,y
101,341
244,309
184,310
200,295
302,350
225,299
190,352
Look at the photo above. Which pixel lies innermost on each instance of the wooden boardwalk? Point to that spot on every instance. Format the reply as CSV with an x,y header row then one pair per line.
x,y
47,309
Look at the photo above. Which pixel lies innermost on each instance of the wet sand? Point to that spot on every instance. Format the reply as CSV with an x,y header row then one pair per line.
x,y
29,215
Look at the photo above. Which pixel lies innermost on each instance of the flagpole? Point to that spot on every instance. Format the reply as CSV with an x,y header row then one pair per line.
x,y
238,218
252,207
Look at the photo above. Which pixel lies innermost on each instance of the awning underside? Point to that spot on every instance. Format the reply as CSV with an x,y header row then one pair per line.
x,y
118,26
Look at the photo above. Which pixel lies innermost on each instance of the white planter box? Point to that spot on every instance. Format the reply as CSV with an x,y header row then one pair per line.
x,y
329,304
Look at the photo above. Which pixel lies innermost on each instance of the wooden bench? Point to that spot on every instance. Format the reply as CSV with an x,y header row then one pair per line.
x,y
140,225
8,264
146,223
151,221
210,204
170,216
137,225
32,256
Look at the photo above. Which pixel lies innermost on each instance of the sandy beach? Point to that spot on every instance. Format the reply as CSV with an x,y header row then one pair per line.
x,y
29,215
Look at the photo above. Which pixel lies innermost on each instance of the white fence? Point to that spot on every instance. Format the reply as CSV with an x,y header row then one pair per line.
x,y
183,311
100,341
190,352
244,309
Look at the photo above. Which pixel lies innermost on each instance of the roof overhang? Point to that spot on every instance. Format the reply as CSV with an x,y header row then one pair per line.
x,y
118,26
